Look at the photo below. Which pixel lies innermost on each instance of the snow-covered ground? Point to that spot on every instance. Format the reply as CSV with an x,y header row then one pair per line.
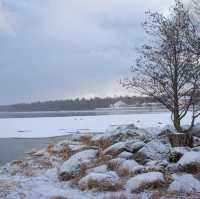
x,y
124,162
57,126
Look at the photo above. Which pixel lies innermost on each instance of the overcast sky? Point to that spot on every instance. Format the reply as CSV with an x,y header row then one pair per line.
x,y
57,49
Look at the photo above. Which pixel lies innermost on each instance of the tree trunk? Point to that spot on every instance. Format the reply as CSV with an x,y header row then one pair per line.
x,y
178,140
177,122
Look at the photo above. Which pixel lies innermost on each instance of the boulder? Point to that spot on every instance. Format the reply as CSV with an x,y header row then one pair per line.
x,y
125,155
98,169
177,152
72,166
134,146
154,150
108,181
145,181
185,184
190,162
115,149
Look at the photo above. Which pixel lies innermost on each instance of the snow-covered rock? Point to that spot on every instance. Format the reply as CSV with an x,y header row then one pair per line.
x,y
121,133
177,152
100,181
192,157
125,155
143,181
121,165
196,130
154,150
115,148
134,146
185,184
73,164
130,165
99,169
59,147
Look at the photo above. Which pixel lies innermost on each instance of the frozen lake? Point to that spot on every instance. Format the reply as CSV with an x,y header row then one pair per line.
x,y
58,126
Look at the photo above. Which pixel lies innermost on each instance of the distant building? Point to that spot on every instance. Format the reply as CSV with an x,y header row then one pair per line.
x,y
118,104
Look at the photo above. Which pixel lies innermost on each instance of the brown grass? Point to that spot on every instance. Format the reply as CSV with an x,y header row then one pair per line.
x,y
113,165
102,159
66,153
124,172
104,143
86,140
192,168
150,185
103,185
50,148
80,174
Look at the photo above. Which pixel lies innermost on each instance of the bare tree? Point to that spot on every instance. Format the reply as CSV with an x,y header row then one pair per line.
x,y
168,67
195,7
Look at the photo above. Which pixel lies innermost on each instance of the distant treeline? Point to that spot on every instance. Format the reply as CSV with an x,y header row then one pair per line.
x,y
74,104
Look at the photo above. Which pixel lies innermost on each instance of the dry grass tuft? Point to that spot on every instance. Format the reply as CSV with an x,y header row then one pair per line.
x,y
113,165
102,159
66,153
80,174
150,185
50,148
86,140
104,143
103,185
124,172
192,168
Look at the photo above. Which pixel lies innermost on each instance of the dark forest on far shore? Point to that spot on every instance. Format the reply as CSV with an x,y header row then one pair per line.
x,y
74,104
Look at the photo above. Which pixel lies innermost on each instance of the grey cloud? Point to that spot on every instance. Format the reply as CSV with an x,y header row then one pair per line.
x,y
58,49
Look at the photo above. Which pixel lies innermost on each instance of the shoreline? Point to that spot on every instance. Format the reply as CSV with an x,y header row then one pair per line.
x,y
16,148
